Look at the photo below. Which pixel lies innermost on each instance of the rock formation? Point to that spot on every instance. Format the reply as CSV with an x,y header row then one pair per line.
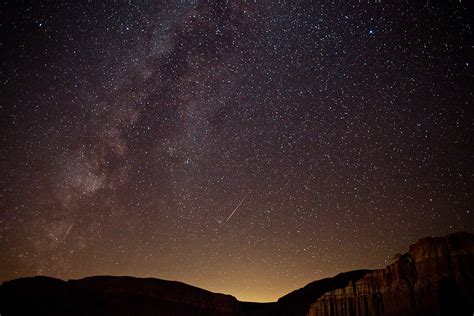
x,y
436,277
298,302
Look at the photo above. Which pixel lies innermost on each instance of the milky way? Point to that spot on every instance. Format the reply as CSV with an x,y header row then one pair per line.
x,y
130,130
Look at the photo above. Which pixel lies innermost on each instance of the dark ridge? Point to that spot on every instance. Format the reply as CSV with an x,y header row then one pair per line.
x,y
110,295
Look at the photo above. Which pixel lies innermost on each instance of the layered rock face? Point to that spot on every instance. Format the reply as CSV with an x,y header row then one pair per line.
x,y
436,277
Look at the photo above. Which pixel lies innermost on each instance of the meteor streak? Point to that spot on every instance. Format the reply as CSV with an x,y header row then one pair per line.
x,y
236,208
67,232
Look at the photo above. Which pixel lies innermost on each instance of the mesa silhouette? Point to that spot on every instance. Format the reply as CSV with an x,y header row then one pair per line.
x,y
435,277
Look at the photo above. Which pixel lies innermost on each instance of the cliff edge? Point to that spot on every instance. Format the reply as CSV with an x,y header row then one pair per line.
x,y
435,277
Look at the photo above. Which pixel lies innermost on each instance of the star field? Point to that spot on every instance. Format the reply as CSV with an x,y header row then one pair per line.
x,y
245,147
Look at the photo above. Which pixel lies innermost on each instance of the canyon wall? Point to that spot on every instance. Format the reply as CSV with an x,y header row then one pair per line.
x,y
436,277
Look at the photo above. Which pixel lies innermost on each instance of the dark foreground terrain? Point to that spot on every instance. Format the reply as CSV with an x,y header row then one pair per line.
x,y
435,277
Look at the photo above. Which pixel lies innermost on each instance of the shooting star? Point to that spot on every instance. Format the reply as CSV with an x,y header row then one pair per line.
x,y
236,208
67,232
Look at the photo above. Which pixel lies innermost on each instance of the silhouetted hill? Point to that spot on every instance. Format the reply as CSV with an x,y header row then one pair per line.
x,y
110,295
436,277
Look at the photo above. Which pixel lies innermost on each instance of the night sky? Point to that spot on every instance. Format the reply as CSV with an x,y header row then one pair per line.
x,y
245,147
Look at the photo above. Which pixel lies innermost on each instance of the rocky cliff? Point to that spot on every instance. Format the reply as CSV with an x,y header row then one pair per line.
x,y
436,277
